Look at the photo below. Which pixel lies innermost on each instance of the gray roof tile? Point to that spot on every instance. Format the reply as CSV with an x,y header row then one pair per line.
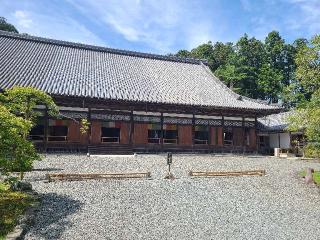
x,y
274,122
72,69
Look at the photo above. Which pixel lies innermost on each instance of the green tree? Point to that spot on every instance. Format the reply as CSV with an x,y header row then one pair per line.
x,y
204,51
293,93
183,54
18,104
308,66
5,26
250,56
307,118
22,101
269,83
16,153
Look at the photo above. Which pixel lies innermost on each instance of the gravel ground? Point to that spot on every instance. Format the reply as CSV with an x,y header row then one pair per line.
x,y
276,206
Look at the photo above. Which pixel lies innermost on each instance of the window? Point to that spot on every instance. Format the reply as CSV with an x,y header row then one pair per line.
x,y
154,133
58,130
110,132
170,134
228,136
201,135
37,133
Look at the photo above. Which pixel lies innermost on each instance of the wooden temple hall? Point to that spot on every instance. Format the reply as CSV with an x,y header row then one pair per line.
x,y
134,102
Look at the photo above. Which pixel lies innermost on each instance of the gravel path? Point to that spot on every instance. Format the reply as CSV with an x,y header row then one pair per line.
x,y
276,206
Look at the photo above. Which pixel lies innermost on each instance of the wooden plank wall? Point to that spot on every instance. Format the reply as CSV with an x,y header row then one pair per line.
x,y
238,136
124,133
252,139
95,132
140,134
185,135
220,136
73,131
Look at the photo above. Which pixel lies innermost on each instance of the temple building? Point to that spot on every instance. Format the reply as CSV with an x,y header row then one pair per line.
x,y
134,102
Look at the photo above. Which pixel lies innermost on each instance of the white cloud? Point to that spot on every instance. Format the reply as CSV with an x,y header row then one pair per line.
x,y
158,24
52,26
23,18
308,17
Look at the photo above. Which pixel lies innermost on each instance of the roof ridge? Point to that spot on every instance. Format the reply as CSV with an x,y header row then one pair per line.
x,y
102,49
236,95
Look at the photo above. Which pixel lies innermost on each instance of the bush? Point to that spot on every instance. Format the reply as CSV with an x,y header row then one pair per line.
x,y
312,150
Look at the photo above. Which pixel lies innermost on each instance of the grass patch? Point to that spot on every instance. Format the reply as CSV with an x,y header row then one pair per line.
x,y
315,175
12,205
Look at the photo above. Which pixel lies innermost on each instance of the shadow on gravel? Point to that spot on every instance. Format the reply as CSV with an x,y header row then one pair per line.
x,y
50,219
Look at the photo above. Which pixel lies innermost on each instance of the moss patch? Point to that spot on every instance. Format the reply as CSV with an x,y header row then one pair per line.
x,y
12,205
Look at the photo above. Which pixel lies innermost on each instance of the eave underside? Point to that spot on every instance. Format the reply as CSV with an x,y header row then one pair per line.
x,y
158,107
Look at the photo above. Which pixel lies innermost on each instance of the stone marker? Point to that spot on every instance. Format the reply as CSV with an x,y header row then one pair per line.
x,y
309,178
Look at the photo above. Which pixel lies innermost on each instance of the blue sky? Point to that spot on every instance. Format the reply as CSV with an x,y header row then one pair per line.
x,y
162,26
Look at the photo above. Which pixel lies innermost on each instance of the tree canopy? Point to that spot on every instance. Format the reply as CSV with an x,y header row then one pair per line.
x,y
254,68
18,115
5,26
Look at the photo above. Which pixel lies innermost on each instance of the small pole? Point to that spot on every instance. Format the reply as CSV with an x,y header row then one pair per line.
x,y
169,162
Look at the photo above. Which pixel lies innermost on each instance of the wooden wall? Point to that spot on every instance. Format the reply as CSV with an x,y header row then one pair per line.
x,y
252,139
238,137
73,132
95,132
140,134
220,136
185,135
124,133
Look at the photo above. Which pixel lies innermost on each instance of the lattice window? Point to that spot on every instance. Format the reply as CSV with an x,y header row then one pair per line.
x,y
74,115
201,121
249,124
233,123
139,118
215,122
170,120
111,117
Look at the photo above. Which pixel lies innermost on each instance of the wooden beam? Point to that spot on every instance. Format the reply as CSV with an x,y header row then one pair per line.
x,y
227,173
85,176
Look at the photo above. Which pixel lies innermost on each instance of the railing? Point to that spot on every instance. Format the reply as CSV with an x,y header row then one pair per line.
x,y
170,141
36,137
228,142
154,140
110,139
57,138
201,141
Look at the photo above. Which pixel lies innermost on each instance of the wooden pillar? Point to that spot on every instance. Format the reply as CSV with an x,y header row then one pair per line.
x,y
209,134
222,121
161,128
243,135
89,130
46,125
256,132
131,130
193,128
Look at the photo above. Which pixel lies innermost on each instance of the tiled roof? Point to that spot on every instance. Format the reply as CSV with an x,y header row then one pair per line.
x,y
274,122
73,69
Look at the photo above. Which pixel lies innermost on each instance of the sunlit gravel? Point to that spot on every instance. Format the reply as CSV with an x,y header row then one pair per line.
x,y
276,206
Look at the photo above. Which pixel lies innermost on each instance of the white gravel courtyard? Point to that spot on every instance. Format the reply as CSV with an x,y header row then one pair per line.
x,y
276,206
